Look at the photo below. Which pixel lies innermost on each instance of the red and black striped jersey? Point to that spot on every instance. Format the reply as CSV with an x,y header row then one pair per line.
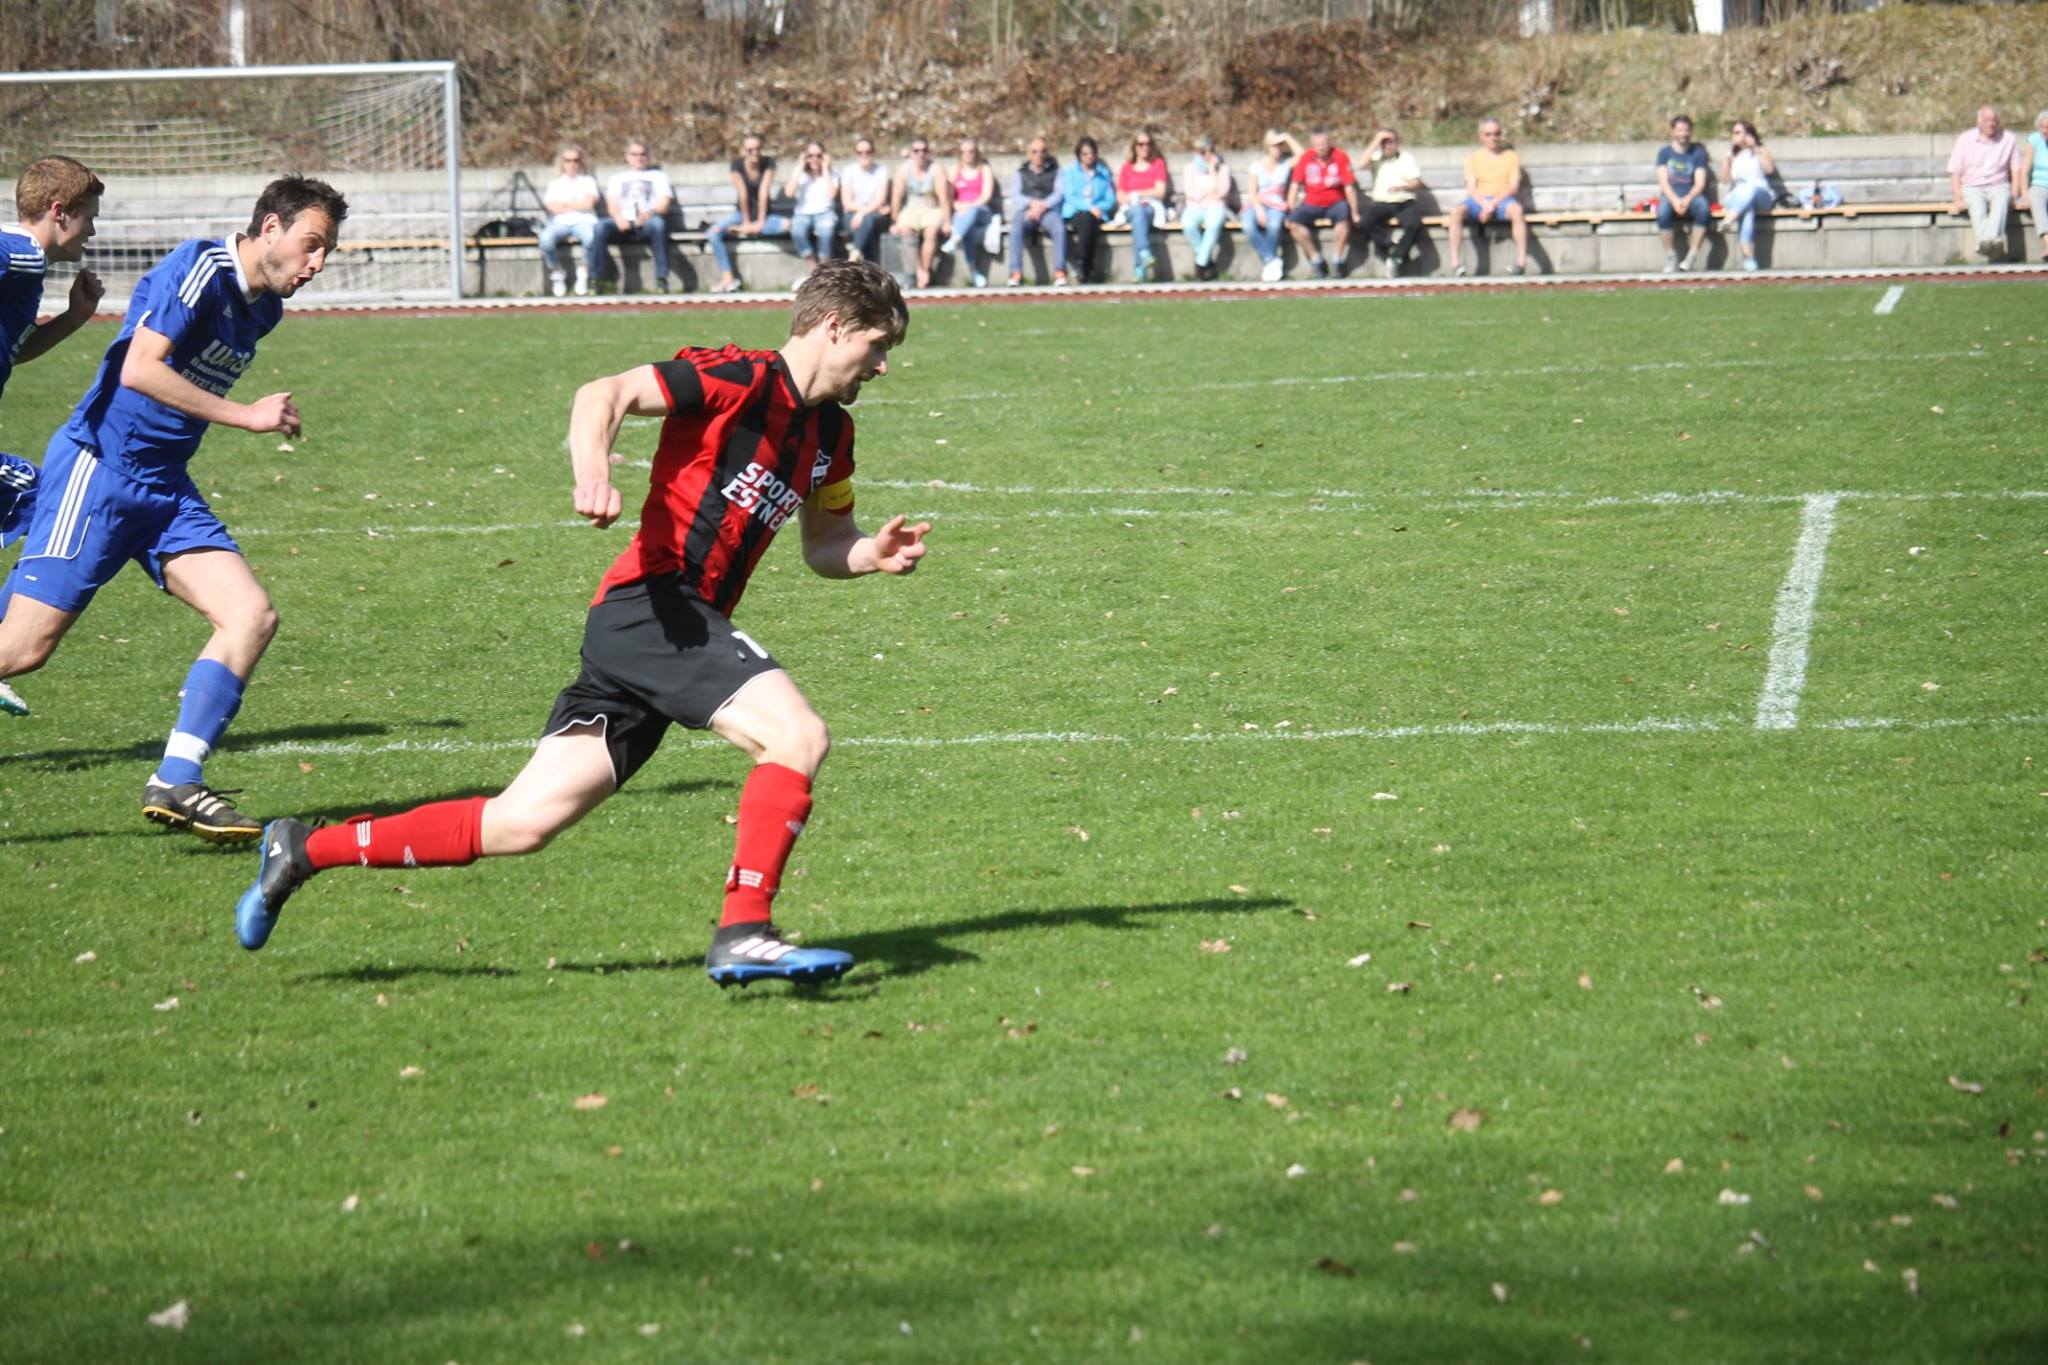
x,y
739,453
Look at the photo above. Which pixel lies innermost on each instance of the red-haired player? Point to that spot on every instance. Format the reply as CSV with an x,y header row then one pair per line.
x,y
750,439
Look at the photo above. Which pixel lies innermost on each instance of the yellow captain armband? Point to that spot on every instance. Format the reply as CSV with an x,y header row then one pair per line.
x,y
837,497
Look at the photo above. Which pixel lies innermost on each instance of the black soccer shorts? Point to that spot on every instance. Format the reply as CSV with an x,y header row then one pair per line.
x,y
654,655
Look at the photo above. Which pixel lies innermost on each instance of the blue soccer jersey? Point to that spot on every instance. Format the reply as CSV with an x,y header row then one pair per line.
x,y
22,264
197,297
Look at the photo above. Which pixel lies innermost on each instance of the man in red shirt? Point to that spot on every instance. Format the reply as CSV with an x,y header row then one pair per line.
x,y
749,439
1322,190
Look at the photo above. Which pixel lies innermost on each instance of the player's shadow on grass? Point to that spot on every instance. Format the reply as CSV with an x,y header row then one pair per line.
x,y
882,954
371,974
78,759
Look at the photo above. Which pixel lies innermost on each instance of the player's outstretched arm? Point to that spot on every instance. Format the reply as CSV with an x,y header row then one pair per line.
x,y
145,370
835,547
86,290
601,408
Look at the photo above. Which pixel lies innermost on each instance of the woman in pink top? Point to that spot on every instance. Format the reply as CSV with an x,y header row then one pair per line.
x,y
974,184
1141,190
1206,183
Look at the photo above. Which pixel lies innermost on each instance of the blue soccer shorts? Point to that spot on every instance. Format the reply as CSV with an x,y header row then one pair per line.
x,y
90,520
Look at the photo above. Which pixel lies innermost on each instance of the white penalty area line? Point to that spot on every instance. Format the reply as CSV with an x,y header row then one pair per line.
x,y
1276,734
1777,707
1890,300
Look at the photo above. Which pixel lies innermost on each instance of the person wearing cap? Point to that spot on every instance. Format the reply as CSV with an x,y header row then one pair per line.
x,y
1206,185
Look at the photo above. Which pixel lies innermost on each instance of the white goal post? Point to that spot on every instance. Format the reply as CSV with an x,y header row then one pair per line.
x,y
184,152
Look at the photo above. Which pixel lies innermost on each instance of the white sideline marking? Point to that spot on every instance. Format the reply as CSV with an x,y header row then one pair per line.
x,y
1292,381
1891,299
1651,725
1504,499
1777,708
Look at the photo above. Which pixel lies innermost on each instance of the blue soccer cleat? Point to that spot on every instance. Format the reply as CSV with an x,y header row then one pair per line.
x,y
743,953
282,870
11,703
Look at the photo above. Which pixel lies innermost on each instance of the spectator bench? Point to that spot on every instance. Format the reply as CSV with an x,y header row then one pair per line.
x,y
1561,242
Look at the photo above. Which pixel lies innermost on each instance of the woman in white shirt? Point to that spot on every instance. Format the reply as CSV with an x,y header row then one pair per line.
x,y
1746,185
572,212
1206,183
815,192
1265,212
864,199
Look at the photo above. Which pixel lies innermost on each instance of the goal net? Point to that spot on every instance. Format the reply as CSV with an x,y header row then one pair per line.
x,y
184,153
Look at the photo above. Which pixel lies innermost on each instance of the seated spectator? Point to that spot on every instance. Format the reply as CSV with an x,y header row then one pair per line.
x,y
753,180
1265,213
1746,185
1682,193
1034,197
1087,202
1983,176
1396,179
1206,185
864,199
974,190
2034,175
637,201
1322,189
1141,190
814,217
1493,189
572,212
920,201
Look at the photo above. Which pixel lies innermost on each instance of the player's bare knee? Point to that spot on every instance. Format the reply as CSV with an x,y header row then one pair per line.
x,y
512,828
803,746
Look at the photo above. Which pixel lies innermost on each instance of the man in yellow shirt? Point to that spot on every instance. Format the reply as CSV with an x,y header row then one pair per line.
x,y
1493,186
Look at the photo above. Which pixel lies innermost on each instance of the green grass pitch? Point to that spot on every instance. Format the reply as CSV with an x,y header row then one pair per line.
x,y
1256,637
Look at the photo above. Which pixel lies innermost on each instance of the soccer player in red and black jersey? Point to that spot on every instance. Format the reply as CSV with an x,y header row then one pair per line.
x,y
750,439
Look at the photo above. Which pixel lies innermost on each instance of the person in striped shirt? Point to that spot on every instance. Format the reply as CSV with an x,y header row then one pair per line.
x,y
57,199
750,441
115,486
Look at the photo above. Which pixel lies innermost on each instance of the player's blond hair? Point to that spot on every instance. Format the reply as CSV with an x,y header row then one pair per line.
x,y
857,292
57,180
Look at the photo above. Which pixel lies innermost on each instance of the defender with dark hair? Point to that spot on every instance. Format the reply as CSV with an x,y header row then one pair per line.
x,y
57,199
749,439
116,486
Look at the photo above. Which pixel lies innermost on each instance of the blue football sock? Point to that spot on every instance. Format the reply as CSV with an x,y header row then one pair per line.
x,y
211,697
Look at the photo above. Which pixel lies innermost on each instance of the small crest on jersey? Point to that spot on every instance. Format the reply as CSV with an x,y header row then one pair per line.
x,y
819,466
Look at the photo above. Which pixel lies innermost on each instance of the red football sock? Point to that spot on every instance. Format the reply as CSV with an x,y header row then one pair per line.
x,y
773,807
445,834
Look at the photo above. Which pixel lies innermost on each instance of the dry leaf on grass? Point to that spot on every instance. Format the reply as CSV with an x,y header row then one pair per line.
x,y
1330,1265
1946,1201
1233,1093
1296,1171
1707,1002
1240,890
175,1317
1398,988
87,956
1585,981
1675,1166
1550,1197
1813,1193
165,1006
1215,945
1235,1057
1276,1099
409,1072
1083,1171
1360,960
591,1101
1912,1280
1404,1248
350,1204
1467,1120
1731,1197
1500,1292
1967,1087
